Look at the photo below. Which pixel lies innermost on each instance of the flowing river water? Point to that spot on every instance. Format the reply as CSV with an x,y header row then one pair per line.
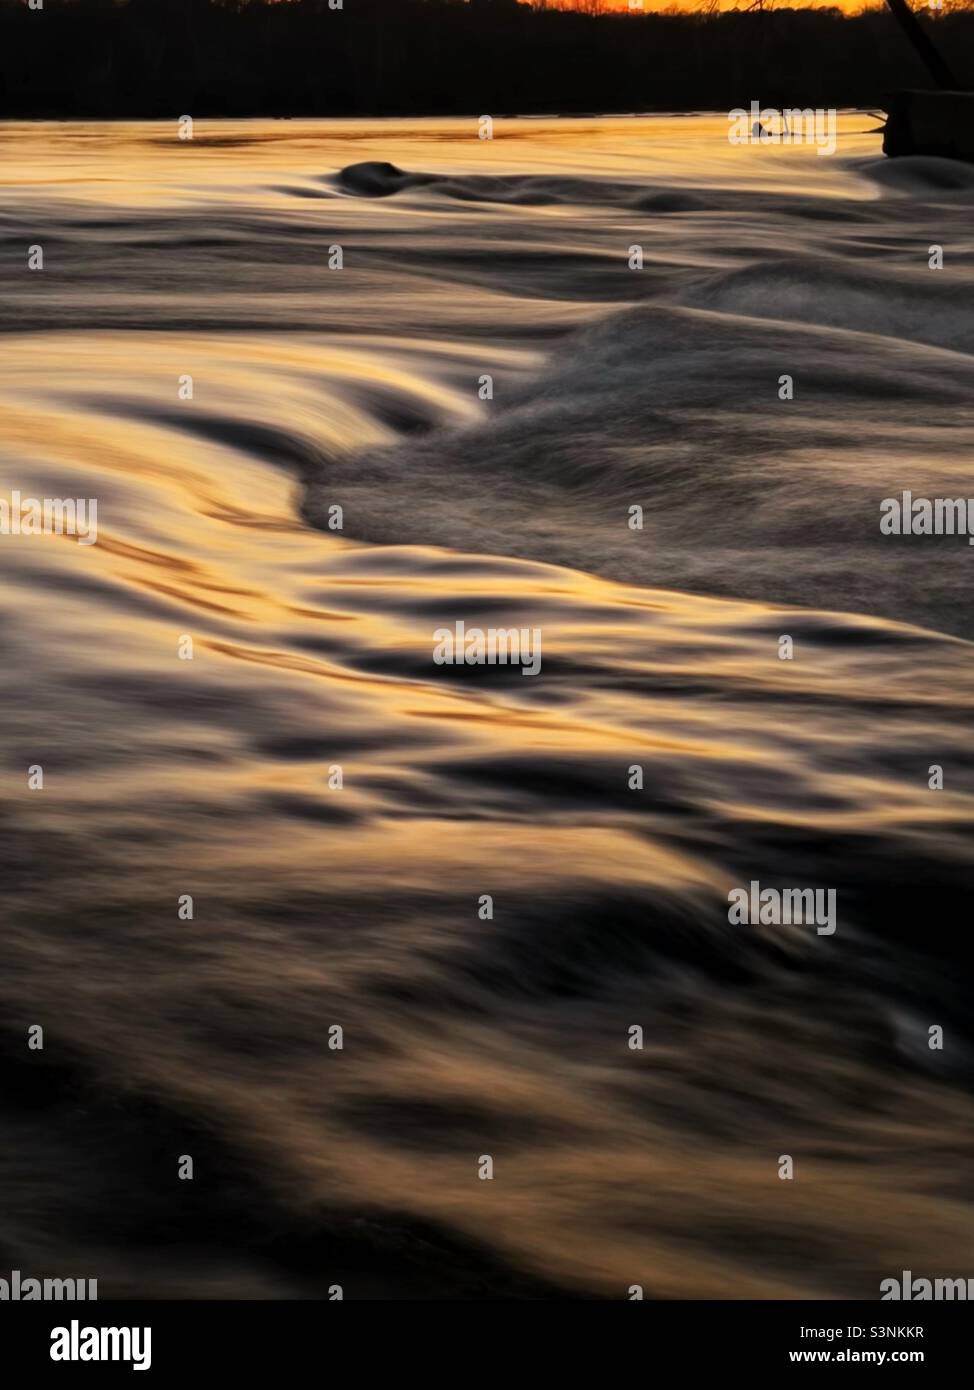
x,y
316,907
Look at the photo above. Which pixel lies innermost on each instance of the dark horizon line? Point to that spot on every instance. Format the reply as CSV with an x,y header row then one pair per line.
x,y
147,62
594,114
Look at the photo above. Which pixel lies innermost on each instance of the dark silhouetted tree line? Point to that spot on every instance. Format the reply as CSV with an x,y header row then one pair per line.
x,y
437,57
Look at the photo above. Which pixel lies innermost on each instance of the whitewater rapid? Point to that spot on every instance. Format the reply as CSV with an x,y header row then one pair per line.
x,y
362,388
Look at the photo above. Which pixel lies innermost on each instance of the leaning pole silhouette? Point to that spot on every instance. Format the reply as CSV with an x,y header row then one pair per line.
x,y
938,122
923,43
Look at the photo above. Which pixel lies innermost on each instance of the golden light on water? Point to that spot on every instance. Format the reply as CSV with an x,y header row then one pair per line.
x,y
357,904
